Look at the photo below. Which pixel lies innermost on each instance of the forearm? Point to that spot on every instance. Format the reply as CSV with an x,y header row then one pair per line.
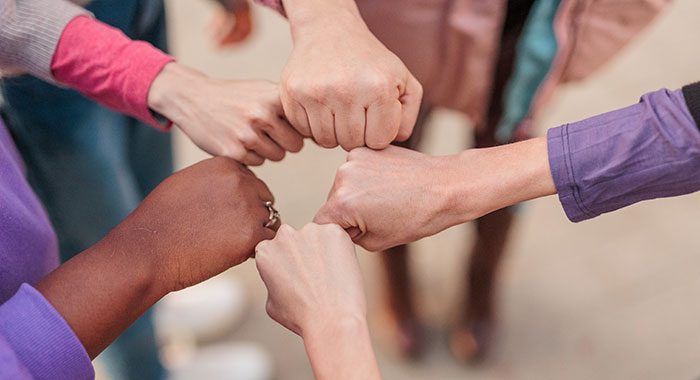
x,y
304,14
480,181
341,349
101,291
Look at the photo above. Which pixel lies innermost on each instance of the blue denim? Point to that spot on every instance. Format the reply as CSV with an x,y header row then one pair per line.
x,y
91,166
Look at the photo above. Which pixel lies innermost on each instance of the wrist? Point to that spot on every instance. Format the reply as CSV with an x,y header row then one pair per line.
x,y
325,326
341,348
101,291
171,92
485,180
313,17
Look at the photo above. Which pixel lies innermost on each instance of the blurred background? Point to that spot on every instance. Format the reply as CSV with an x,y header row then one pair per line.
x,y
612,298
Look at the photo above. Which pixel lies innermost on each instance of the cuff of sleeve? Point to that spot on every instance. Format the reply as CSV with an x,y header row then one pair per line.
x,y
33,29
561,166
105,65
274,4
42,339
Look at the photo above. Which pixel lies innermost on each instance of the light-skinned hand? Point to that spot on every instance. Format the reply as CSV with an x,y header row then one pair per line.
x,y
243,120
341,85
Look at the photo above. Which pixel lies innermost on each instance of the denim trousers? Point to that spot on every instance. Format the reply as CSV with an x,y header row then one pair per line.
x,y
91,166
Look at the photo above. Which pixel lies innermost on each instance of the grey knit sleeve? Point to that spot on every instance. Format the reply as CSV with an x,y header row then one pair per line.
x,y
29,33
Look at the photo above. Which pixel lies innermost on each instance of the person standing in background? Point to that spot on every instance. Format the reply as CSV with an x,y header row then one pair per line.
x,y
497,62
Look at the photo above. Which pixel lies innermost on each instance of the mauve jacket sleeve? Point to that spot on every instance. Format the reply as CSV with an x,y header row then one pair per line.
x,y
645,151
37,343
274,4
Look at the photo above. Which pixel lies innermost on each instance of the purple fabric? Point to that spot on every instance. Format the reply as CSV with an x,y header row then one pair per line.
x,y
35,341
645,151
28,247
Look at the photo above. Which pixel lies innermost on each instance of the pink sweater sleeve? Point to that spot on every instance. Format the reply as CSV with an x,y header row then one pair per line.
x,y
105,65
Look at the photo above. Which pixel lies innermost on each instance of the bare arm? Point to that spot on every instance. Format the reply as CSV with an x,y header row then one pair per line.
x,y
340,348
341,85
196,224
326,306
373,188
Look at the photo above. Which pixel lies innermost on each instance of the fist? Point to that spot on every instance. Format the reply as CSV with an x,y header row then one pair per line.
x,y
390,197
312,277
342,86
199,222
243,120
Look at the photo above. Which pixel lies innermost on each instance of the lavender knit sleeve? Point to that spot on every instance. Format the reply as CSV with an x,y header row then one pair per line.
x,y
29,33
274,4
610,161
37,343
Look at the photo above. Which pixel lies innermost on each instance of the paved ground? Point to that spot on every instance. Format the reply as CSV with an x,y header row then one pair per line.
x,y
614,298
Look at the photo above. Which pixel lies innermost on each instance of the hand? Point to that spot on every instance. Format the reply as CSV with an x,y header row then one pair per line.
x,y
242,120
199,222
396,196
232,23
389,197
341,86
312,277
315,289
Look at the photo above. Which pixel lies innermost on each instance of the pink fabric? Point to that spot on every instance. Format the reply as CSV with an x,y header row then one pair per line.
x,y
274,4
450,45
105,65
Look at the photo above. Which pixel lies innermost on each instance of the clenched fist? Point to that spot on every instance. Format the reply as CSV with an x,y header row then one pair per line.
x,y
199,222
390,197
242,120
341,85
312,277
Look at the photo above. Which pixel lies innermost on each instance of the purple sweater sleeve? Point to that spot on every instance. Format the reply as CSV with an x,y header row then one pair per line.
x,y
645,151
37,343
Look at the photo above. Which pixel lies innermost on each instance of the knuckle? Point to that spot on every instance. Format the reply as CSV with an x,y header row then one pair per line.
x,y
262,248
378,84
259,115
342,203
357,154
270,308
235,152
333,229
297,145
249,138
285,230
294,87
327,143
378,143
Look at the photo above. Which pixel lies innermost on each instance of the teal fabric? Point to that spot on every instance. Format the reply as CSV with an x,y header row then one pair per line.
x,y
536,52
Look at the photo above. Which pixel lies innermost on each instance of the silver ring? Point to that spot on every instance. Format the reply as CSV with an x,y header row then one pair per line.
x,y
274,216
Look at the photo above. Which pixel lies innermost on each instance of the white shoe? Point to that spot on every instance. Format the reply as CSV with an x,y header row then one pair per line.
x,y
204,312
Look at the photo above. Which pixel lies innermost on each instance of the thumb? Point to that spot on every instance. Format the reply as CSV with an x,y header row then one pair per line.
x,y
329,214
411,101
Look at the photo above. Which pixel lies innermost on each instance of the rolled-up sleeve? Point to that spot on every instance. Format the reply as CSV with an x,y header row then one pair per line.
x,y
37,343
645,151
